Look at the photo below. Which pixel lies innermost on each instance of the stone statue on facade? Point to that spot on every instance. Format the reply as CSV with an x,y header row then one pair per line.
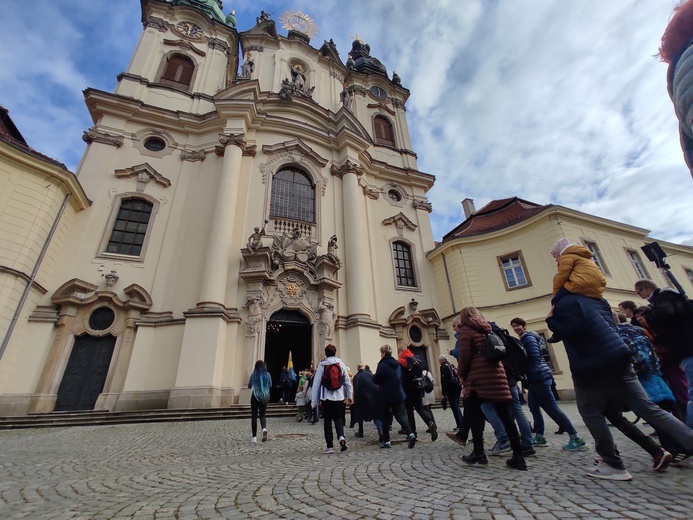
x,y
255,240
396,79
326,318
345,97
264,17
254,303
293,247
297,85
332,250
248,66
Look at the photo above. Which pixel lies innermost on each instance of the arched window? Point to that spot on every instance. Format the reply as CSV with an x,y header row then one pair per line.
x,y
404,266
382,128
178,72
130,227
293,196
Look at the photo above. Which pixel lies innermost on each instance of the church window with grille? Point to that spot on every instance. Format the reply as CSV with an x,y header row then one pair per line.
x,y
293,196
383,131
404,265
178,72
130,227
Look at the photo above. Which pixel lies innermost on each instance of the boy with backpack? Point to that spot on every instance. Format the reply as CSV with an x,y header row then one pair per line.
x,y
331,388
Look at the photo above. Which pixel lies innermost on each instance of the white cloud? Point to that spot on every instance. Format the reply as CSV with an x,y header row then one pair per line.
x,y
552,101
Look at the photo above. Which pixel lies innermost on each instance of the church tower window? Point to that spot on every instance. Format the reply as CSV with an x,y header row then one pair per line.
x,y
178,72
293,196
130,227
404,266
382,128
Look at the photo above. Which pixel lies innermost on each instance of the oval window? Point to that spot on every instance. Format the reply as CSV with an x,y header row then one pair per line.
x,y
155,144
415,334
101,318
394,195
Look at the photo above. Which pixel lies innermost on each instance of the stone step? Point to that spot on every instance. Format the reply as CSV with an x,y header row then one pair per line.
x,y
100,417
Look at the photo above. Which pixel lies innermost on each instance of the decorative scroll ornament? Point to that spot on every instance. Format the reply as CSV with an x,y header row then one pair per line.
x,y
93,134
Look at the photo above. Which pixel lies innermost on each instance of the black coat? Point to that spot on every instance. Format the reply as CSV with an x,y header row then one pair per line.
x,y
365,396
389,381
671,322
591,340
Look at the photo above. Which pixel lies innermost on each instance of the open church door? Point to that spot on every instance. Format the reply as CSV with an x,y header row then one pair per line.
x,y
287,331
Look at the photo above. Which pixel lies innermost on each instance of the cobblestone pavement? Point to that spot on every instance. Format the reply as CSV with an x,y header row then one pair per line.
x,y
209,469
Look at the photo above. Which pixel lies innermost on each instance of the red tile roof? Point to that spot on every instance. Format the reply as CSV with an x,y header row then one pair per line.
x,y
497,214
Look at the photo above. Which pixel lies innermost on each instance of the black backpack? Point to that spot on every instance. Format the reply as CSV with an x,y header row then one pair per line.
x,y
516,357
454,378
494,348
414,374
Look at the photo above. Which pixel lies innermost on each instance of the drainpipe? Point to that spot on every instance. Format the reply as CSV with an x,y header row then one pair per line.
x,y
447,276
25,294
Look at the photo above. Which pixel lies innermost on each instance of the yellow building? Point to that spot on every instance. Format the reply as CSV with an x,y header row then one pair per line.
x,y
498,261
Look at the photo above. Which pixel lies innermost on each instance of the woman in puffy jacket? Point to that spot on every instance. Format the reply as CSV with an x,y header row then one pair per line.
x,y
484,381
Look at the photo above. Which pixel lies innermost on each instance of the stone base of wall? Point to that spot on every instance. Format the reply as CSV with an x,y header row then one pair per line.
x,y
15,404
149,400
201,397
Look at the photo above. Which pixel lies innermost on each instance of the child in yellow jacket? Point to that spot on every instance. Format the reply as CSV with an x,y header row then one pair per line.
x,y
577,272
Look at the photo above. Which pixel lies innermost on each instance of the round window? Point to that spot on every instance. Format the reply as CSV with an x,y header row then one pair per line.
x,y
101,318
394,195
155,144
415,334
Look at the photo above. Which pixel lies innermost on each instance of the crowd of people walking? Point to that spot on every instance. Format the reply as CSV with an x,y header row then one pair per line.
x,y
641,360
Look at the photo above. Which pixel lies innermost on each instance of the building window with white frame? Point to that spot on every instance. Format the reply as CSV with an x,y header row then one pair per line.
x,y
637,264
404,265
689,274
596,255
514,272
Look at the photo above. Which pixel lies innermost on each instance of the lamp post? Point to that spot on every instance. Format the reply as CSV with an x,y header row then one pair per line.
x,y
654,252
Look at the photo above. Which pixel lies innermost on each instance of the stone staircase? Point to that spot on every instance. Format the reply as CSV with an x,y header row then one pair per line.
x,y
98,417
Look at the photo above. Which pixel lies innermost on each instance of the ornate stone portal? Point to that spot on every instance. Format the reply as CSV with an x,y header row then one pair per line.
x,y
288,275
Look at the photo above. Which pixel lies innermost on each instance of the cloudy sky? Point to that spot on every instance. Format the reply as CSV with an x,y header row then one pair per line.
x,y
548,100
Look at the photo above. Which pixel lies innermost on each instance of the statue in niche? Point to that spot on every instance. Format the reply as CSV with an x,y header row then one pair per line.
x,y
297,85
327,317
248,66
298,78
254,303
345,97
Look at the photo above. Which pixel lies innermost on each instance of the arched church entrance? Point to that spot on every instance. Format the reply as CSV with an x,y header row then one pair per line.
x,y
287,331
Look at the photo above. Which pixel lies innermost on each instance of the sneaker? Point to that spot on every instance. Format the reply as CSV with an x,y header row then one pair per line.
x,y
264,435
661,461
540,442
683,460
359,435
253,440
342,444
329,451
453,436
575,444
434,431
499,448
607,472
411,440
385,445
529,452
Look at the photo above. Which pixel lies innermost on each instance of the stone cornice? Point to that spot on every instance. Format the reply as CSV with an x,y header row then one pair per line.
x,y
400,221
422,204
143,173
182,44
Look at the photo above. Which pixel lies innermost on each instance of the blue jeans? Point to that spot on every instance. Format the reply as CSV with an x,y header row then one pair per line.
x,y
489,410
687,366
518,415
540,396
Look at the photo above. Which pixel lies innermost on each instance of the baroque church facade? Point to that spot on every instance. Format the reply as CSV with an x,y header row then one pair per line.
x,y
242,196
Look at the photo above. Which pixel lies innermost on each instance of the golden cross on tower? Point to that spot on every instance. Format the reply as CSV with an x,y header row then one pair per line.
x,y
356,37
